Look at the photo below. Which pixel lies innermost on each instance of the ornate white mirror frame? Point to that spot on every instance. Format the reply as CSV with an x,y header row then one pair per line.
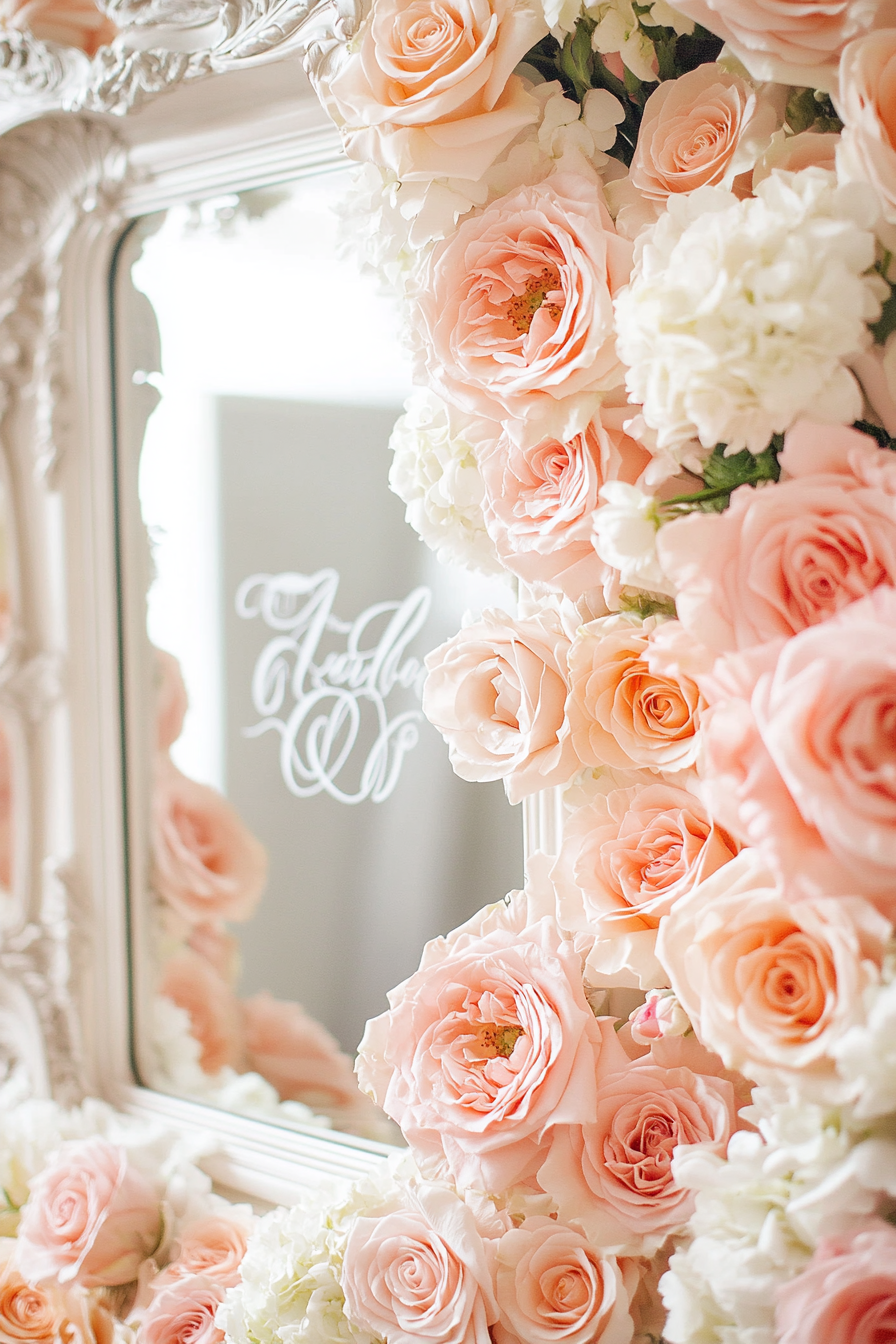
x,y
73,172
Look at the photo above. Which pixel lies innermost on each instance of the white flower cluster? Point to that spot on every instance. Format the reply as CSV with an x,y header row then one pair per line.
x,y
740,313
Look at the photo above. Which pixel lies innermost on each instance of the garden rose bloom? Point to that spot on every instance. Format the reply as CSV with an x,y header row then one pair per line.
x,y
430,92
211,1006
613,1175
91,1217
793,153
420,1272
801,751
71,23
212,1246
28,1315
171,699
184,1313
627,856
496,692
553,1287
539,500
702,129
296,1054
484,1048
516,312
768,983
787,42
207,864
781,559
867,150
847,1292
620,712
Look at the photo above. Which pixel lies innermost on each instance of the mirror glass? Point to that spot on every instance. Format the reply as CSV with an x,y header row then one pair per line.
x,y
11,836
306,832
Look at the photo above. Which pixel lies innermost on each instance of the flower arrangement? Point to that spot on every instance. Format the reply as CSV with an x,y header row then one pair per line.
x,y
644,254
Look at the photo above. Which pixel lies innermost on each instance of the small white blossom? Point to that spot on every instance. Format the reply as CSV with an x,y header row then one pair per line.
x,y
618,30
866,1055
625,528
740,313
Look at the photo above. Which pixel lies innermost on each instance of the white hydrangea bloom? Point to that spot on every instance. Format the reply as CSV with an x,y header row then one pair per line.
x,y
434,471
866,1055
740,313
625,528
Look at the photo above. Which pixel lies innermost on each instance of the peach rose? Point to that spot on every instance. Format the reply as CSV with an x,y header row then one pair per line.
x,y
28,1315
516,310
800,751
430,92
71,23
91,1218
627,856
420,1272
211,1006
484,1048
497,692
793,153
613,1175
207,864
620,712
790,555
867,108
789,41
184,1313
847,1292
768,983
297,1055
539,500
220,949
213,1247
553,1287
171,699
700,130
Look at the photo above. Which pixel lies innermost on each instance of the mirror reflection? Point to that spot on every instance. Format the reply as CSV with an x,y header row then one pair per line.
x,y
307,833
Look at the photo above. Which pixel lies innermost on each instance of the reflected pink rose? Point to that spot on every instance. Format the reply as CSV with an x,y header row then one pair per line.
x,y
184,1313
430,92
786,557
91,1218
71,23
420,1272
219,948
613,1175
554,1287
800,751
171,699
516,313
847,1292
496,692
700,130
213,1247
211,1006
207,864
867,108
484,1048
297,1055
620,712
539,500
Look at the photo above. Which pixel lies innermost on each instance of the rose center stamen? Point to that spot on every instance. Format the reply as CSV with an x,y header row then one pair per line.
x,y
494,1040
521,309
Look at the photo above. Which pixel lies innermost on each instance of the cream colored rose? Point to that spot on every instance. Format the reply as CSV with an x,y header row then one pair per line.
x,y
620,712
429,90
770,984
867,105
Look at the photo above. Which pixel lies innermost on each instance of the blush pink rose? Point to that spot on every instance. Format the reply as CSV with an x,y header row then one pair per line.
x,y
489,1044
553,1287
496,692
211,1006
297,1055
213,1247
770,984
420,1272
793,153
789,41
220,949
846,1294
613,1175
620,712
627,856
184,1313
171,699
702,129
430,91
71,23
866,102
207,864
516,311
800,751
91,1218
539,500
789,555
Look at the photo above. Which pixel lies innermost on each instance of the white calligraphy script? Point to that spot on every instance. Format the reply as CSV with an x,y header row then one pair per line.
x,y
334,693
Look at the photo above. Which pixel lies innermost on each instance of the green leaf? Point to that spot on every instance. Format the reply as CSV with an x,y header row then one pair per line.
x,y
876,432
886,323
723,474
811,108
644,605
